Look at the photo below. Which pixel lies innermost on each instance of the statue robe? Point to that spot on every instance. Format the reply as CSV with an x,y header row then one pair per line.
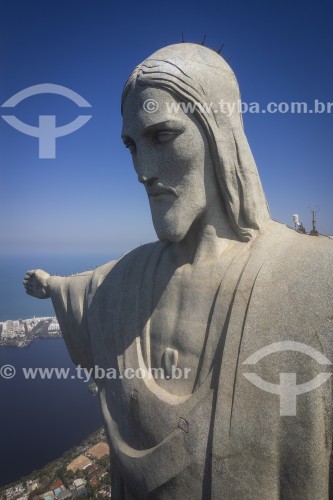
x,y
227,438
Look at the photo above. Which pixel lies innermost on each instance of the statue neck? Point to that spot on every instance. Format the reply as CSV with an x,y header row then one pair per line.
x,y
209,236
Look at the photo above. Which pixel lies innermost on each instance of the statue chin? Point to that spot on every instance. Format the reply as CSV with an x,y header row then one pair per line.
x,y
172,223
169,230
168,233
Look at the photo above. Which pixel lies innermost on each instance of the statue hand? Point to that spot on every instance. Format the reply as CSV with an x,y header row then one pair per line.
x,y
36,283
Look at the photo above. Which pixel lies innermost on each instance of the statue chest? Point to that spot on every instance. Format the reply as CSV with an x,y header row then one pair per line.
x,y
178,327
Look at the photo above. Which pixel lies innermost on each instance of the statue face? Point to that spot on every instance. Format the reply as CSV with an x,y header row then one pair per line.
x,y
170,155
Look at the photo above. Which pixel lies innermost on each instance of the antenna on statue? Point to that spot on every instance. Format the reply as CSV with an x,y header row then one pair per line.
x,y
183,37
203,41
220,49
314,231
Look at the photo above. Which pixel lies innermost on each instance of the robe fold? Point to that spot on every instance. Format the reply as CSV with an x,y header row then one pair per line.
x,y
228,438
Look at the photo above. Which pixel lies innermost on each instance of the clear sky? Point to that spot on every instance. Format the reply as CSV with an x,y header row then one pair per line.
x,y
88,198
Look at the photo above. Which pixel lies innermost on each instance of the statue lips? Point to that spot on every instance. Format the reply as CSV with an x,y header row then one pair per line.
x,y
159,190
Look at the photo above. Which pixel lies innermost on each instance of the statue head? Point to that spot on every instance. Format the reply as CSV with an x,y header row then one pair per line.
x,y
184,128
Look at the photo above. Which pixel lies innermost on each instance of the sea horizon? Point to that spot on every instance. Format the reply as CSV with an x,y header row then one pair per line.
x,y
15,303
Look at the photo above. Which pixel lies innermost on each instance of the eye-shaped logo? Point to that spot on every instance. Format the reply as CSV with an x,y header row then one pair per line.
x,y
47,132
287,389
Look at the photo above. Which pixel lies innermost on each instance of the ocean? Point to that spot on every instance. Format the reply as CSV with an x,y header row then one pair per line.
x,y
14,303
39,419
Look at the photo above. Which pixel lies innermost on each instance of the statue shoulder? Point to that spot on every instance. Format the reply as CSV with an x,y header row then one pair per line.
x,y
291,247
298,269
312,255
293,291
114,270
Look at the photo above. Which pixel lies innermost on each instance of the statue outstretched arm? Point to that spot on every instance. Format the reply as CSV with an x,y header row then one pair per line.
x,y
68,296
70,301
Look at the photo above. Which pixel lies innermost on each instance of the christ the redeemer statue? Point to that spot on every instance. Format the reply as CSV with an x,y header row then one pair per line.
x,y
240,304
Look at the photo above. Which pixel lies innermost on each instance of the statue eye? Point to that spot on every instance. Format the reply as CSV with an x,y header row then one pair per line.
x,y
164,136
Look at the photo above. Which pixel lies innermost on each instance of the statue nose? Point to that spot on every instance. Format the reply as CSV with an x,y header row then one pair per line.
x,y
146,167
146,180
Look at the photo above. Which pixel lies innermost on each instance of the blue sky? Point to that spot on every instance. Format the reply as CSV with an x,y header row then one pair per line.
x,y
88,200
